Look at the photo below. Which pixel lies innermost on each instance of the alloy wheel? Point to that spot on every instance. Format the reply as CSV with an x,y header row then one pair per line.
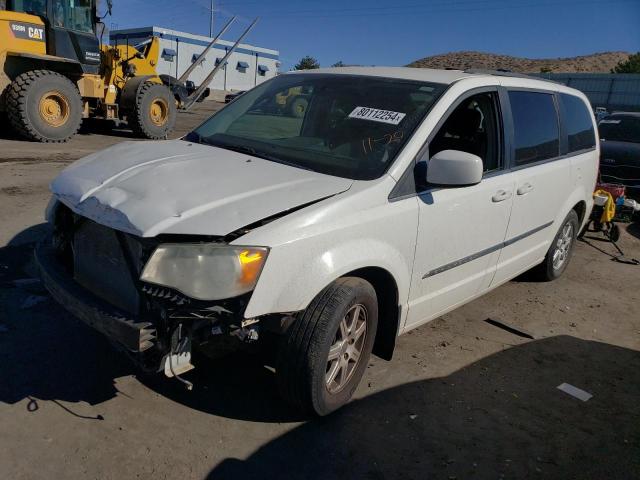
x,y
346,350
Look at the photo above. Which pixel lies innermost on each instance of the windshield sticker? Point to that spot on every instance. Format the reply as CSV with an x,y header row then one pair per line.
x,y
377,115
610,121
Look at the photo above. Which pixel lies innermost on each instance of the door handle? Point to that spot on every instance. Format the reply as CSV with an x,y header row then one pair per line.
x,y
525,188
501,195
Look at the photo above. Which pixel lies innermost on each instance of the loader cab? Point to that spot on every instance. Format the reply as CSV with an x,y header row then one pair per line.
x,y
71,28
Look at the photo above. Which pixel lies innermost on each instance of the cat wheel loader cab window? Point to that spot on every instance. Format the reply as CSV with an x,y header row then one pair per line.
x,y
33,7
473,127
344,125
535,125
73,15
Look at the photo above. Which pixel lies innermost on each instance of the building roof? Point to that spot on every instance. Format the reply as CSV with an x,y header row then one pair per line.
x,y
199,40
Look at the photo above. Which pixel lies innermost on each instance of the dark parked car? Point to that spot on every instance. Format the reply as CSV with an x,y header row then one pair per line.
x,y
230,97
620,150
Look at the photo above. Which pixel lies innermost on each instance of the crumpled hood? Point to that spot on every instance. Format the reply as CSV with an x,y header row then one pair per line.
x,y
150,188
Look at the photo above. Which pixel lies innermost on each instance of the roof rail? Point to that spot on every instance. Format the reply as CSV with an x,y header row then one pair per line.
x,y
508,73
499,73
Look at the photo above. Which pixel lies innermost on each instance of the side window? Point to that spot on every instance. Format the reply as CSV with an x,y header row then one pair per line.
x,y
535,125
73,15
473,127
275,115
578,123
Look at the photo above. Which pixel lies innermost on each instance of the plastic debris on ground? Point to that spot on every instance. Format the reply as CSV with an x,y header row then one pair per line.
x,y
574,392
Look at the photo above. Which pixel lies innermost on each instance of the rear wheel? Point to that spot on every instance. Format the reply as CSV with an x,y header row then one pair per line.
x,y
154,113
560,251
44,106
327,349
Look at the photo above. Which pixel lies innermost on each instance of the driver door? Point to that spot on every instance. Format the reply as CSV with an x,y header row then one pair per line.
x,y
461,229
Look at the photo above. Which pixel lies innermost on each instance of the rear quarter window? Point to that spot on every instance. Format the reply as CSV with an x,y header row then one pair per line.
x,y
578,123
535,124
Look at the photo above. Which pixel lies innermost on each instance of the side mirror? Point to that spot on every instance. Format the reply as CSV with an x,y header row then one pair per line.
x,y
454,168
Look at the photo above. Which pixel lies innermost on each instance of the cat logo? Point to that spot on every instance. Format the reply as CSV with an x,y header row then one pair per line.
x,y
26,31
36,33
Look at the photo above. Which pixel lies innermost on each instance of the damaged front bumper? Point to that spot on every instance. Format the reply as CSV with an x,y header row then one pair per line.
x,y
134,335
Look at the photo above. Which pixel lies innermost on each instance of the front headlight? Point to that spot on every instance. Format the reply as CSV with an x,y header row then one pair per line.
x,y
205,271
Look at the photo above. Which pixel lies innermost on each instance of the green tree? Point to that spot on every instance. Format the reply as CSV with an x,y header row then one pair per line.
x,y
307,63
339,63
632,65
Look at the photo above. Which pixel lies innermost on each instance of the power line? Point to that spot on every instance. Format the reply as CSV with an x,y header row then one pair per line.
x,y
394,11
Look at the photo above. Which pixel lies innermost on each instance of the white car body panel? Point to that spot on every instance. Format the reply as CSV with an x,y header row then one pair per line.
x,y
444,239
153,188
156,188
313,247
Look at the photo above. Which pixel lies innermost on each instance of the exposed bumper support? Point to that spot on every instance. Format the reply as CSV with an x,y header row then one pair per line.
x,y
134,335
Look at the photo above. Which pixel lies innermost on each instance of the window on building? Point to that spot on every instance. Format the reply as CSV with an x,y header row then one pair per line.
x,y
168,54
535,125
578,123
262,70
242,67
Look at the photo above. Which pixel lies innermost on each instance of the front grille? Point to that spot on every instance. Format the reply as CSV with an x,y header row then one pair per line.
x,y
100,265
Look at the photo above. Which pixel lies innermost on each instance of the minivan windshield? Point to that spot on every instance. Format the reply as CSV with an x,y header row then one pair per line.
x,y
620,128
344,125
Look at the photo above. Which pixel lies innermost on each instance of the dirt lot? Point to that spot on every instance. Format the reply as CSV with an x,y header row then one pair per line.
x,y
461,399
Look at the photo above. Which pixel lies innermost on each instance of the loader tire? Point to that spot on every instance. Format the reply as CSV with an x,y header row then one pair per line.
x,y
44,106
154,114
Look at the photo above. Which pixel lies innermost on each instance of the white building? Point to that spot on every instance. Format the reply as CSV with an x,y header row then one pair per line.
x,y
247,67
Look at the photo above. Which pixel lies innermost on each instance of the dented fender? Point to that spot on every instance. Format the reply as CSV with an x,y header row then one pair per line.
x,y
313,247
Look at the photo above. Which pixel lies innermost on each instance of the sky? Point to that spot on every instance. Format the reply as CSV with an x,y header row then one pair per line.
x,y
396,32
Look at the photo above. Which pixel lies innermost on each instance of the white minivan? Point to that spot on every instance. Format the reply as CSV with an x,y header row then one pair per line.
x,y
323,213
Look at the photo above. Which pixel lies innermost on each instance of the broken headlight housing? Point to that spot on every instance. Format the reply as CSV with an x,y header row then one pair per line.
x,y
205,271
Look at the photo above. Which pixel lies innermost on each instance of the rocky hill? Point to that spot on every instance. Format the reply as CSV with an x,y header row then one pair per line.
x,y
597,62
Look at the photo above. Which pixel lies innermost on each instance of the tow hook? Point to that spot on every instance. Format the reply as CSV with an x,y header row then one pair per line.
x,y
178,360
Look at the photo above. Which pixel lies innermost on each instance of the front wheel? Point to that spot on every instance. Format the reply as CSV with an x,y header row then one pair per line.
x,y
326,351
560,251
154,114
44,106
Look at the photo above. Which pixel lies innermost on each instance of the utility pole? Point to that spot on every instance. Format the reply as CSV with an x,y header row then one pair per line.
x,y
211,21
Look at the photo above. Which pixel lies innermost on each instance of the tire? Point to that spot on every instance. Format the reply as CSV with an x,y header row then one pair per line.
x,y
154,114
303,367
44,106
549,269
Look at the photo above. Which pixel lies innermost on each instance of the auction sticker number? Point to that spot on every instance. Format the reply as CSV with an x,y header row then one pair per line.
x,y
377,115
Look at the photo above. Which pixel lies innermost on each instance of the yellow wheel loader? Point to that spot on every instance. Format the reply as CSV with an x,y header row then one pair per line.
x,y
55,72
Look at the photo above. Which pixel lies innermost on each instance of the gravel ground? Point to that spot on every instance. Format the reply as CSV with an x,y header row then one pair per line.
x,y
461,399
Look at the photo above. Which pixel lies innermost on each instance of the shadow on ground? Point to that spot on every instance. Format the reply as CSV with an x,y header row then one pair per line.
x,y
89,126
501,417
634,228
46,354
